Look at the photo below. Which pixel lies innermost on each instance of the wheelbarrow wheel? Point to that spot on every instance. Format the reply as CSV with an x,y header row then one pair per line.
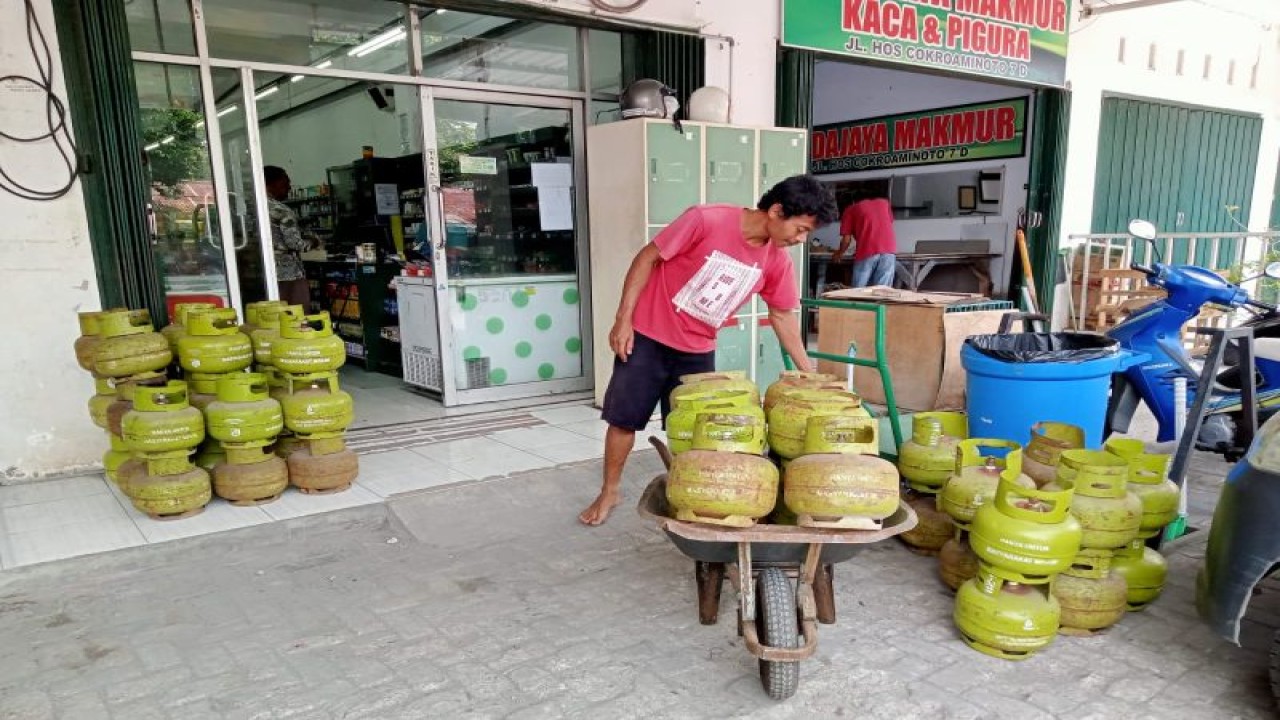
x,y
777,625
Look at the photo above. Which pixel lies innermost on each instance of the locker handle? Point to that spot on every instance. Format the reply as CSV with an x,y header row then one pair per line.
x,y
653,168
711,170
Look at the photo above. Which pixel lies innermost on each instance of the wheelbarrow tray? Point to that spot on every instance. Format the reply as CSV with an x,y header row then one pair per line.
x,y
770,544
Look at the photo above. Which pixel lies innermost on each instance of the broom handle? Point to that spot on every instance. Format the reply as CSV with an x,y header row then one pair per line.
x,y
1030,283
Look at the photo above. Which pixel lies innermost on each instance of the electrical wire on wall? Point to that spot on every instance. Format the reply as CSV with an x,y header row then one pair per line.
x,y
57,131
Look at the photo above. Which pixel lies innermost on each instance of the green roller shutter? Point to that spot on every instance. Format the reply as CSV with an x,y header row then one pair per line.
x,y
794,85
94,41
1188,170
1044,196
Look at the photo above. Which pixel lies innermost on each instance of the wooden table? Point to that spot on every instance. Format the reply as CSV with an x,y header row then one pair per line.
x,y
913,268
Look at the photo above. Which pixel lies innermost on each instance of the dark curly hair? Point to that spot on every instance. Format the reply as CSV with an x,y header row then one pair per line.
x,y
802,195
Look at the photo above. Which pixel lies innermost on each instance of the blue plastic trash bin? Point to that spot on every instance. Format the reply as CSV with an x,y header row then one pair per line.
x,y
1005,398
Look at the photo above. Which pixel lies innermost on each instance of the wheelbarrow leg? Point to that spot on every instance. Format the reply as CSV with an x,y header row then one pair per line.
x,y
710,579
824,596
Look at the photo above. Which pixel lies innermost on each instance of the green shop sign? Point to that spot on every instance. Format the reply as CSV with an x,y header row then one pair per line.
x,y
955,134
1024,40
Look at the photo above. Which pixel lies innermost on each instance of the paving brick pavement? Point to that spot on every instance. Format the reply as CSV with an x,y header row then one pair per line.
x,y
489,600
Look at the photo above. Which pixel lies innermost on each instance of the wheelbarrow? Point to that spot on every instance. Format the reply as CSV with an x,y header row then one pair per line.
x,y
777,621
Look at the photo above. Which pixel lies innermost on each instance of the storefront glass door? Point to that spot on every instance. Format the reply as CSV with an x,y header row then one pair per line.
x,y
506,232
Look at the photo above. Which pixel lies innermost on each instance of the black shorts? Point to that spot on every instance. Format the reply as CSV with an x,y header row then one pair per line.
x,y
646,380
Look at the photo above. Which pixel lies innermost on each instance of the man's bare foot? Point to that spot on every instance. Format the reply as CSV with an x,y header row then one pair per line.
x,y
599,510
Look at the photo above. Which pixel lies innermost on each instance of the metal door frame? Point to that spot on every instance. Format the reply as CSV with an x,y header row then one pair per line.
x,y
451,394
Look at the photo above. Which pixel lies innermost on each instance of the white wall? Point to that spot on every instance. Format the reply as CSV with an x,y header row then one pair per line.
x,y
1113,53
46,270
846,91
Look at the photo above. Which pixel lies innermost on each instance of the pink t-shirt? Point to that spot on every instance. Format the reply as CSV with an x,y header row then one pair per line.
x,y
706,264
870,222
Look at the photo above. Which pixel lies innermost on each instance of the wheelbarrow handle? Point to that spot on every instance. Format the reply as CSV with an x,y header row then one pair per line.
x,y
663,451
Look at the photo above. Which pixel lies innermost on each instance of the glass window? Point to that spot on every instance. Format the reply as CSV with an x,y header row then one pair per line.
x,y
487,49
604,50
160,26
367,36
188,246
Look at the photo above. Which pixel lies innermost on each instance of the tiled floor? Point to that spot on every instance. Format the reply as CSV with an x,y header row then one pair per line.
x,y
78,516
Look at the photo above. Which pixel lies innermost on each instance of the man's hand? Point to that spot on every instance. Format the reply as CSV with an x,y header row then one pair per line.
x,y
835,256
622,339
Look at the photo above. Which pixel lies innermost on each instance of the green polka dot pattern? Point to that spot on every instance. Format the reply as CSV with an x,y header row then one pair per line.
x,y
497,376
543,322
469,302
546,371
523,349
520,299
573,345
471,352
494,326
571,296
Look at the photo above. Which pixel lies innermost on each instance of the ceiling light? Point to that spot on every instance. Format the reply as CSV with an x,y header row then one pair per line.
x,y
376,42
325,64
269,91
297,78
151,147
228,110
168,140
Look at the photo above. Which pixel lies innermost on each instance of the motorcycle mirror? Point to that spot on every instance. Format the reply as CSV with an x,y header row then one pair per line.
x,y
1142,229
1272,270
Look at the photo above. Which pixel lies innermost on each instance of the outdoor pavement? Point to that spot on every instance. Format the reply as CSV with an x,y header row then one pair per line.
x,y
488,599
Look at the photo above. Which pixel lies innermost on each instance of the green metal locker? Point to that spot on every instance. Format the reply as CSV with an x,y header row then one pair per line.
x,y
674,170
731,155
733,346
782,154
768,357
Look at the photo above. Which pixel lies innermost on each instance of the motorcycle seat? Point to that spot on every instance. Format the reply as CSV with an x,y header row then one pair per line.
x,y
1266,349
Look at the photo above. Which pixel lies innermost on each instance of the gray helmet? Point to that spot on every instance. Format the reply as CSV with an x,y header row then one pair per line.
x,y
648,98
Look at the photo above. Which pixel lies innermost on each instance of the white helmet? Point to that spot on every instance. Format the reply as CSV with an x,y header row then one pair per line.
x,y
709,104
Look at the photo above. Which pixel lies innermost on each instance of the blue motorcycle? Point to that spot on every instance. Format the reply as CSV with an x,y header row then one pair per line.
x,y
1156,330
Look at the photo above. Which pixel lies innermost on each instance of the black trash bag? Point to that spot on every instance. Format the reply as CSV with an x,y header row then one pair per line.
x,y
1044,347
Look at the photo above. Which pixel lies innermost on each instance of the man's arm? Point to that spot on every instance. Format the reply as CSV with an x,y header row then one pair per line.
x,y
622,336
845,240
786,325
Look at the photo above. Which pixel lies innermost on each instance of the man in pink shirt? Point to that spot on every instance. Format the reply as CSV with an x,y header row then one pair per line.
x,y
682,287
868,220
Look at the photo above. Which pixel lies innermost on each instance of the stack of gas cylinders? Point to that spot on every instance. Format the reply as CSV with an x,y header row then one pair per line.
x,y
1047,540
805,454
253,431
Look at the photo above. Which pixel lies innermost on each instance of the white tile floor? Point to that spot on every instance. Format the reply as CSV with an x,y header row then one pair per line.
x,y
68,517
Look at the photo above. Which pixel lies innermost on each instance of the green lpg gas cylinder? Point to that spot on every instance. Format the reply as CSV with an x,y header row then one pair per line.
x,y
90,336
840,490
684,416
957,562
129,345
1144,571
316,406
789,417
732,489
1091,596
308,346
104,394
978,469
203,388
253,483
929,457
1030,534
933,527
1108,512
1159,494
114,457
738,429
162,421
177,326
253,314
180,494
842,434
1048,440
795,380
1004,618
209,454
125,390
723,380
214,343
244,412
267,331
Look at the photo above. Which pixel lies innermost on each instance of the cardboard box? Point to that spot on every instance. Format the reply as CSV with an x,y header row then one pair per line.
x,y
922,342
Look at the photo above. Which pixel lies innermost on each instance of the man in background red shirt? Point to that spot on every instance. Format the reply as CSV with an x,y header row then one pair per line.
x,y
679,291
868,220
